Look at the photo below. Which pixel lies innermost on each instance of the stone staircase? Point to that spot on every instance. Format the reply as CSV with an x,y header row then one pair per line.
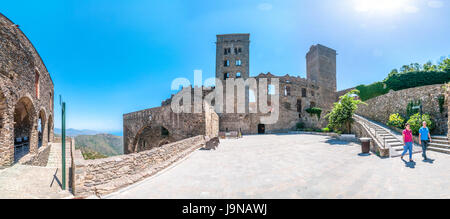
x,y
54,159
440,144
385,137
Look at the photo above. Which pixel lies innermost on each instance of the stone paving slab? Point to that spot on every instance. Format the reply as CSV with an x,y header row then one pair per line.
x,y
295,166
31,182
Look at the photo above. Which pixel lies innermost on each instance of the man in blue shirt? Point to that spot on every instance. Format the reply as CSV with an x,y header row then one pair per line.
x,y
424,139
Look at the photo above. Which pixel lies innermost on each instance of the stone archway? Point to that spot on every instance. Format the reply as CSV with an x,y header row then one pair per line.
x,y
152,136
42,129
25,129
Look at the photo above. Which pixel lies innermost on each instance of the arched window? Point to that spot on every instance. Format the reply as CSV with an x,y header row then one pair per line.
x,y
238,75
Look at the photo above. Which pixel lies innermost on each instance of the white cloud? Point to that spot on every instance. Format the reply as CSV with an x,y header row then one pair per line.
x,y
265,6
435,4
411,9
385,6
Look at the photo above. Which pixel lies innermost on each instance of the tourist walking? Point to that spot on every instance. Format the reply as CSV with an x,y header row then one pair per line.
x,y
424,139
408,141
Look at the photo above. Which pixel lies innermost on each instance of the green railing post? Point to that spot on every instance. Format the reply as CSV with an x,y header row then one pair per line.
x,y
63,143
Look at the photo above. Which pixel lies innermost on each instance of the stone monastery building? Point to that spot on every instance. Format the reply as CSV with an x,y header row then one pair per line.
x,y
26,98
150,128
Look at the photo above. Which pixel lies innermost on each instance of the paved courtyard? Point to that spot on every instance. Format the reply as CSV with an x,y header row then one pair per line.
x,y
295,166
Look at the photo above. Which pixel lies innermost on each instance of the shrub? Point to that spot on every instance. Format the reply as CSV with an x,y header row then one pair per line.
x,y
341,116
372,90
416,122
300,125
441,100
315,111
326,130
395,120
416,79
409,109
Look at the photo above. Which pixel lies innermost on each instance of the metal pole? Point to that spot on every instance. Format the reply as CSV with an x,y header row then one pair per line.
x,y
63,150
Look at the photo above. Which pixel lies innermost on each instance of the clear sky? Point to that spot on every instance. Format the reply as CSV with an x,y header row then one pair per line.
x,y
110,57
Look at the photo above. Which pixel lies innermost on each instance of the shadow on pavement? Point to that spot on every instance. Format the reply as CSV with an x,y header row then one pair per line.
x,y
411,165
55,177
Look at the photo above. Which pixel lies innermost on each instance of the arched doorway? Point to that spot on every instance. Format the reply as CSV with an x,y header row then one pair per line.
x,y
42,138
151,137
261,129
23,128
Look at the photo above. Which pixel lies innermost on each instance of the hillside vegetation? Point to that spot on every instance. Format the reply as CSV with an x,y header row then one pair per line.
x,y
103,144
409,76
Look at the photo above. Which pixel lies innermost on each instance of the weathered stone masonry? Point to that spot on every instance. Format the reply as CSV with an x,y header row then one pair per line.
x,y
107,175
381,107
26,97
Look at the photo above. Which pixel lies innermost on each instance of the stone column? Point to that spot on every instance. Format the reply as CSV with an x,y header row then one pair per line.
x,y
34,137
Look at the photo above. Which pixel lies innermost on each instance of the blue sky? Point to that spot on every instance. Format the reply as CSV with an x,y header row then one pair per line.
x,y
110,57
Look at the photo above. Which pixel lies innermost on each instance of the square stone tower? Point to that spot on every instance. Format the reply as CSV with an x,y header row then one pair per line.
x,y
321,66
233,56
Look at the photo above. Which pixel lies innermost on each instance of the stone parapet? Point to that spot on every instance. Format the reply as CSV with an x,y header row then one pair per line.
x,y
103,176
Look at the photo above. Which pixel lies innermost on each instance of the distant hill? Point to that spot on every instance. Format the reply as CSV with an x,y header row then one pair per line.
x,y
76,132
106,144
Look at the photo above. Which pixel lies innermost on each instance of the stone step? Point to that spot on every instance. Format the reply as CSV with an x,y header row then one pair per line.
x,y
437,145
440,141
440,150
440,137
397,144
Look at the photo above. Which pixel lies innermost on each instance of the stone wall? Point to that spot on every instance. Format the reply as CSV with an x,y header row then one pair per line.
x,y
41,159
104,176
447,99
381,107
26,93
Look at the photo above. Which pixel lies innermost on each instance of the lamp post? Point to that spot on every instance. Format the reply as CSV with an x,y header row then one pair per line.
x,y
63,142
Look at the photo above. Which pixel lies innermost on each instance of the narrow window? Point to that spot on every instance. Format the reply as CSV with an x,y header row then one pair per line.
x,y
299,105
313,104
226,76
303,92
287,91
226,63
271,90
238,75
312,93
36,84
238,62
235,51
239,50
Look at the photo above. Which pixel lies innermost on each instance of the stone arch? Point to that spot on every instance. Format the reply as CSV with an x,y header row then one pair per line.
x,y
25,128
42,128
152,136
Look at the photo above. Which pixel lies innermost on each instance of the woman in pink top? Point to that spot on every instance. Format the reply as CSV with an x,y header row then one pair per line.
x,y
408,140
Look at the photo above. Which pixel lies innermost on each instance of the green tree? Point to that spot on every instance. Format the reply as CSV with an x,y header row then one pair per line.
x,y
444,65
341,117
416,122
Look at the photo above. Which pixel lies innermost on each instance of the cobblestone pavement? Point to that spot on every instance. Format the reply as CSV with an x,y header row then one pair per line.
x,y
30,182
295,166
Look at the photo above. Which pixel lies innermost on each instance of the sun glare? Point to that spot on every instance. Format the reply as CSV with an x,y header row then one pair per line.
x,y
384,6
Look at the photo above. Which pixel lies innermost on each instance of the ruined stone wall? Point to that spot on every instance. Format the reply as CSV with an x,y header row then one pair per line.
x,y
104,176
25,81
292,90
381,107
